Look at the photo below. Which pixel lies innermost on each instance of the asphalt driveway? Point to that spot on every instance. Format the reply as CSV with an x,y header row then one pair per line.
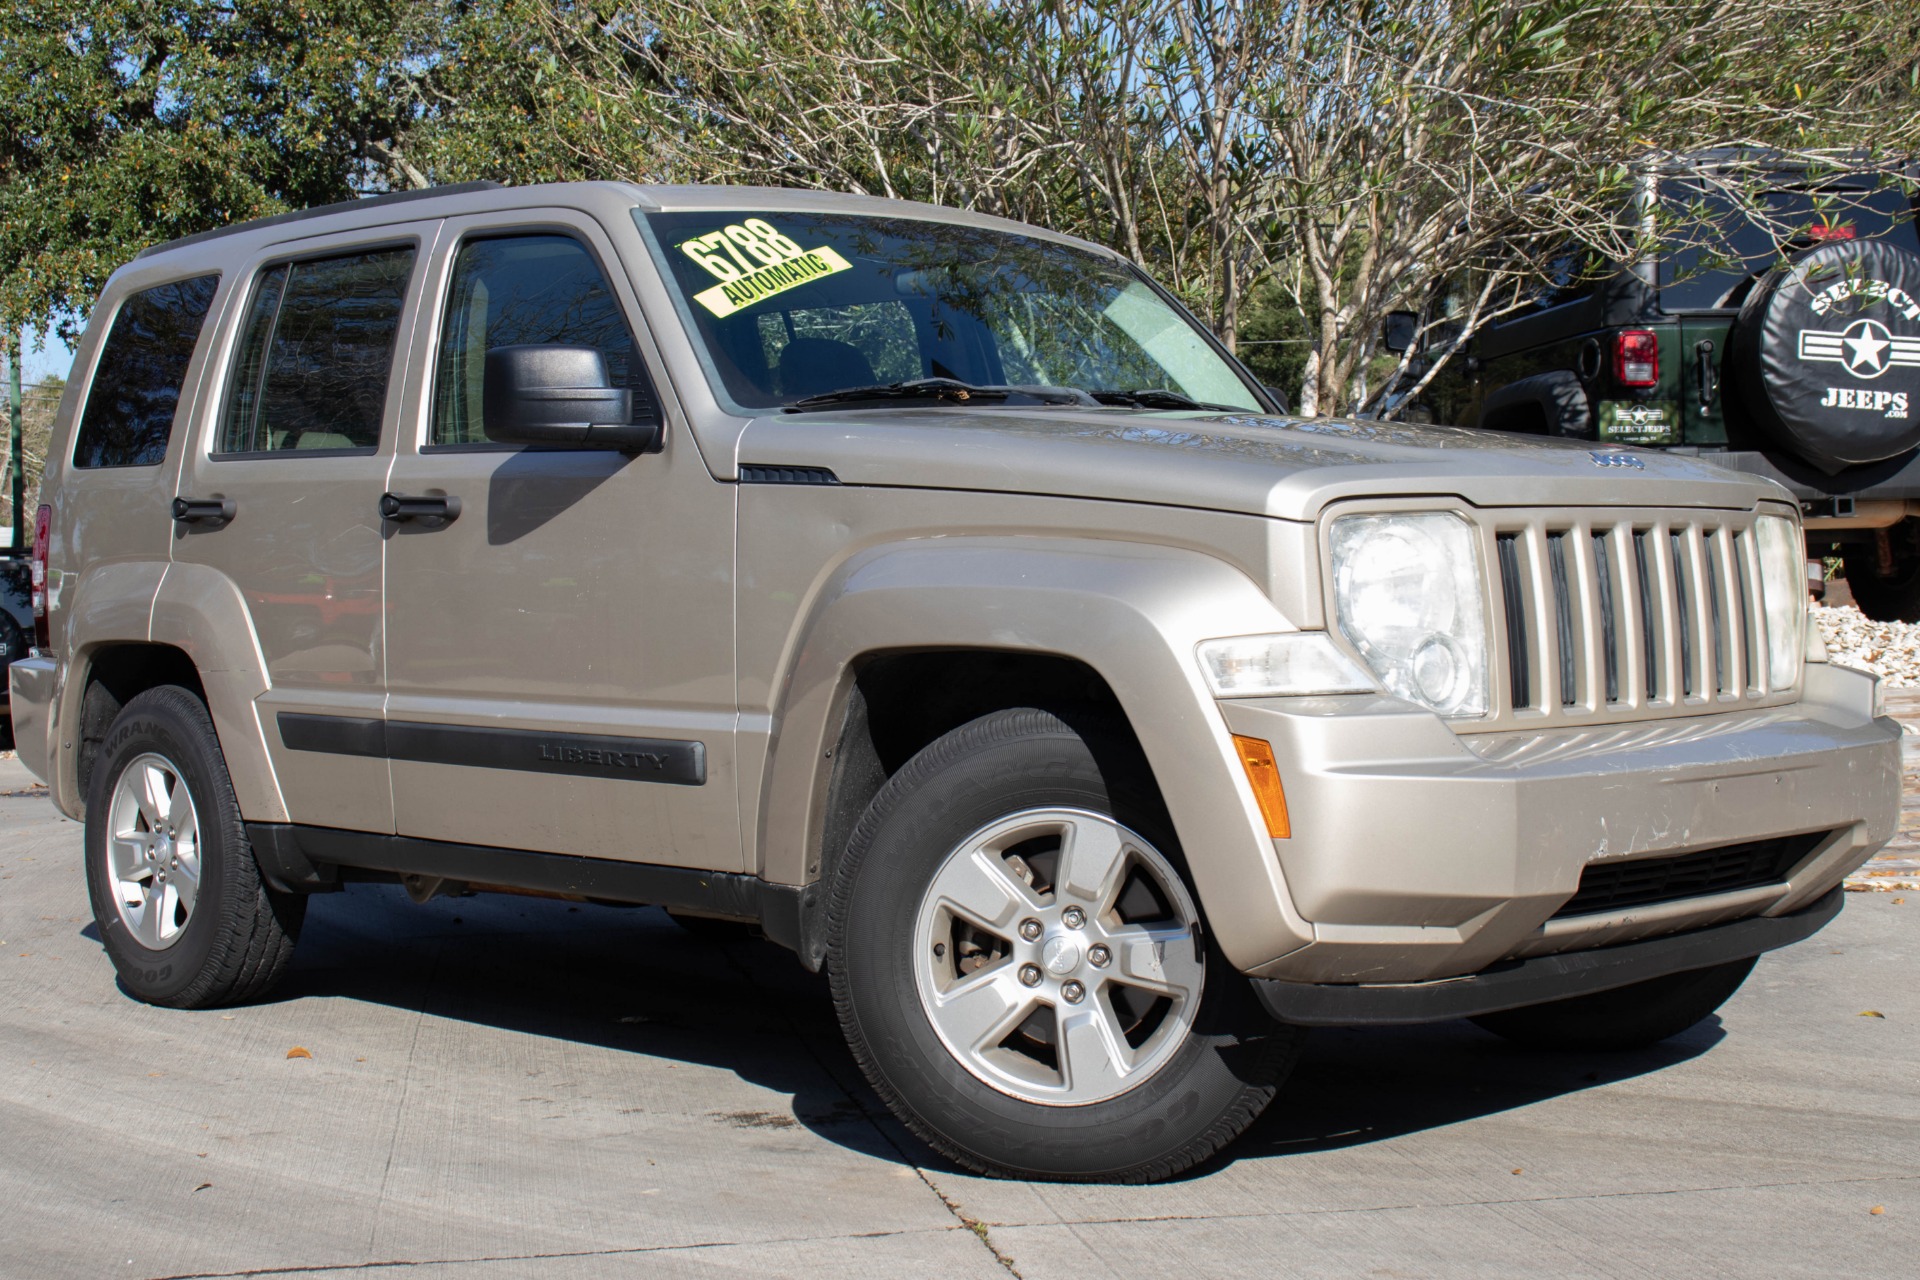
x,y
523,1088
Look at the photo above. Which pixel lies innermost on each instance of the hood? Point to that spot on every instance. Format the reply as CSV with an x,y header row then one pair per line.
x,y
1271,466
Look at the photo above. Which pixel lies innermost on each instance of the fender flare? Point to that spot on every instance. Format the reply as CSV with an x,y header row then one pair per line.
x,y
200,611
1131,611
1558,396
111,603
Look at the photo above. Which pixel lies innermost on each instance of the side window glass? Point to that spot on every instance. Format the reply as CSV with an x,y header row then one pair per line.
x,y
521,291
313,361
136,388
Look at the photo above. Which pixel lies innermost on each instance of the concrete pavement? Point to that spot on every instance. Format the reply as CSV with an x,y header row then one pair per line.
x,y
522,1088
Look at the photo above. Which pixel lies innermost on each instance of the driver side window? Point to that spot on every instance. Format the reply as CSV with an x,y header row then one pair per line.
x,y
525,290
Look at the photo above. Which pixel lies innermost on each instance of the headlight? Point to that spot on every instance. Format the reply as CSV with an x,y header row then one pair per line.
x,y
1407,594
1783,594
1267,666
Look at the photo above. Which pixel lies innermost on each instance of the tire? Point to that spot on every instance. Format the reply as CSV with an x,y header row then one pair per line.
x,y
1626,1017
1818,359
13,647
229,938
931,995
1891,597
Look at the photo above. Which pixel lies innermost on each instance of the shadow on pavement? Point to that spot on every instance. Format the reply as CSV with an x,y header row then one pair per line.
x,y
626,979
1355,1086
630,980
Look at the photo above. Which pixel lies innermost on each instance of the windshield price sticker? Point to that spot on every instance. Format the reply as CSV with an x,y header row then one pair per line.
x,y
753,261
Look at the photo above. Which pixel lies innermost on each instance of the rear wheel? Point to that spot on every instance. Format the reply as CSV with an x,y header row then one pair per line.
x,y
1023,972
1626,1017
176,893
1892,595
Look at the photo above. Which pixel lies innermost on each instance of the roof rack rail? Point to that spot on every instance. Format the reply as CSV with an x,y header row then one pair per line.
x,y
363,202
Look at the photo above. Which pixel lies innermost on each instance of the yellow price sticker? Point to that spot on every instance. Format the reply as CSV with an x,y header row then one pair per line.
x,y
753,261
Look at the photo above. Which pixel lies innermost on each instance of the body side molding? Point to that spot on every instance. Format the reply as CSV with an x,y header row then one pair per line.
x,y
664,760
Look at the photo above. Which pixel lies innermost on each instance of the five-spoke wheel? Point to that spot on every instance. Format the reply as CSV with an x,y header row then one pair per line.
x,y
153,844
1058,956
1022,970
177,896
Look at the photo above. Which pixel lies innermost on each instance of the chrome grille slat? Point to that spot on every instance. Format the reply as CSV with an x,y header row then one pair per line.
x,y
1628,615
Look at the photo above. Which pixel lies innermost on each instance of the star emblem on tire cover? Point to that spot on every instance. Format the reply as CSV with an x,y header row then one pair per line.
x,y
1866,347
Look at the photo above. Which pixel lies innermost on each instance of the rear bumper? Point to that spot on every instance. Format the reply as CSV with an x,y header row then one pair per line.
x,y
31,683
1883,480
1419,854
1515,984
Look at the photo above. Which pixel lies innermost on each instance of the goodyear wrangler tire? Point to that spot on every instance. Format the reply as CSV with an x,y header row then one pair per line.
x,y
177,896
1022,972
1824,358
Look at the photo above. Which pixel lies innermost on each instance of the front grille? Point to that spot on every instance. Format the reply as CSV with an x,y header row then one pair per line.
x,y
1629,616
1614,886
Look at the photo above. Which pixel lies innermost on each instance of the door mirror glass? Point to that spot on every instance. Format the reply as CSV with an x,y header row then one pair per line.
x,y
1398,331
559,395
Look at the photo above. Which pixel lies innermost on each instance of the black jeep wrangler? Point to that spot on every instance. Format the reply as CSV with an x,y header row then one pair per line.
x,y
1790,349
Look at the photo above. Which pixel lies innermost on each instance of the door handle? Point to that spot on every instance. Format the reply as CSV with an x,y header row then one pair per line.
x,y
1706,373
402,506
210,510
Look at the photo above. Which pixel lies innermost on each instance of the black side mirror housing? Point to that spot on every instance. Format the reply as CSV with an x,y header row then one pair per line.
x,y
1398,331
559,395
1279,398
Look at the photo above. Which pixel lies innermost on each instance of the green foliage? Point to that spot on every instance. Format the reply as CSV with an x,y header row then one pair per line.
x,y
1291,168
127,122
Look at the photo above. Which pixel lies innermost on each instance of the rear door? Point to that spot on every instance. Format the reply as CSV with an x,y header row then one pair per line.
x,y
298,439
560,648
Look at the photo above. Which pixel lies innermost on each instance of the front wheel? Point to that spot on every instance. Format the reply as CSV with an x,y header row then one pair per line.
x,y
1627,1017
1024,974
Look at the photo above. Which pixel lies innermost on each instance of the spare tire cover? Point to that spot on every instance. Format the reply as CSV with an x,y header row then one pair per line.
x,y
1825,355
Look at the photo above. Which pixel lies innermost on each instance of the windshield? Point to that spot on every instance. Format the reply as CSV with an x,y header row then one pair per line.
x,y
791,305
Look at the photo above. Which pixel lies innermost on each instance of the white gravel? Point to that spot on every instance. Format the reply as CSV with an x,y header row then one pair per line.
x,y
1890,648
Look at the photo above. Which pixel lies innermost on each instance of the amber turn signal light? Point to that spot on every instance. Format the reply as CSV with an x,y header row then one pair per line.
x,y
1256,757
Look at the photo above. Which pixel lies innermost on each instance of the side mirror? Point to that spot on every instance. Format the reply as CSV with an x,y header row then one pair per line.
x,y
1398,331
559,395
1279,398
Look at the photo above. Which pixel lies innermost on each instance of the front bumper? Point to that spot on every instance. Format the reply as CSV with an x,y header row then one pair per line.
x,y
1518,983
1417,853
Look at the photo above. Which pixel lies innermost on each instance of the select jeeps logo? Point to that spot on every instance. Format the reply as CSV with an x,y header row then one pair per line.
x,y
1866,347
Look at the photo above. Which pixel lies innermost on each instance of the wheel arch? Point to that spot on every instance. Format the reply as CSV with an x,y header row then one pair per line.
x,y
1117,621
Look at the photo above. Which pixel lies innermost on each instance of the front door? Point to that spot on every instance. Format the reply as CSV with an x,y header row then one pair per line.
x,y
560,647
298,439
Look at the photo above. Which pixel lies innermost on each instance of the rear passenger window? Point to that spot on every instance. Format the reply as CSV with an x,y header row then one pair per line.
x,y
315,354
520,291
136,388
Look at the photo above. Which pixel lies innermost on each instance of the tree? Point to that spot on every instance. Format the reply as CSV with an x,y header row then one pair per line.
x,y
38,401
126,122
1413,137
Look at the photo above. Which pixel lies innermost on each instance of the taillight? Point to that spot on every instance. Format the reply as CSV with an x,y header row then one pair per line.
x,y
42,531
1828,232
1636,358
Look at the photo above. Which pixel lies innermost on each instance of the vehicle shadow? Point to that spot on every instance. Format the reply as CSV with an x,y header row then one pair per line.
x,y
1355,1086
631,980
621,978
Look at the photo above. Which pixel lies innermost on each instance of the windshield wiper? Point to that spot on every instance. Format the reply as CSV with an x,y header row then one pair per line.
x,y
949,389
1161,398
